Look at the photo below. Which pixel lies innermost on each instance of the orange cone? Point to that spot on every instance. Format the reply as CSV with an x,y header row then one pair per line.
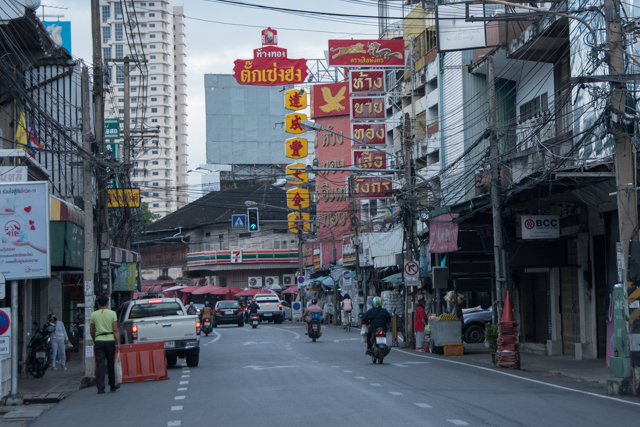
x,y
507,311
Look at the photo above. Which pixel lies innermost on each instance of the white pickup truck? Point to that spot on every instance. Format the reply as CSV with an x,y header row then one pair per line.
x,y
161,319
270,308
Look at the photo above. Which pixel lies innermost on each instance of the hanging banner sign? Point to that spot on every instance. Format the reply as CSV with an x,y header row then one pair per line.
x,y
292,122
366,53
295,99
123,198
373,187
297,148
368,108
443,234
367,82
300,176
296,225
368,133
298,198
369,159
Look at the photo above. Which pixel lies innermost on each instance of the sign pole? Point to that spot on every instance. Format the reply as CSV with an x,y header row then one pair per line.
x,y
14,337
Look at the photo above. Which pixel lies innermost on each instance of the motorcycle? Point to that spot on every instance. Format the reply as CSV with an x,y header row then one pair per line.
x,y
379,347
314,327
207,326
255,320
39,350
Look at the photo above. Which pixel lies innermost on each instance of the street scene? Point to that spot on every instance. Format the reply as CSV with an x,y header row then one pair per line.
x,y
353,211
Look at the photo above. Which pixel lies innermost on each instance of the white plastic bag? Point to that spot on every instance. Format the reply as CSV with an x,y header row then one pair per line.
x,y
118,368
363,333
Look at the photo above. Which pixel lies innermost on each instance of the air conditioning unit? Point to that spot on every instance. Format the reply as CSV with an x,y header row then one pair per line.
x,y
255,282
271,280
288,279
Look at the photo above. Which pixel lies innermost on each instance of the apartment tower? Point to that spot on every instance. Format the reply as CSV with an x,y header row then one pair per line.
x,y
153,32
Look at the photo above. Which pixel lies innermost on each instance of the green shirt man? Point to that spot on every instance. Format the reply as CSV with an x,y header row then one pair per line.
x,y
103,325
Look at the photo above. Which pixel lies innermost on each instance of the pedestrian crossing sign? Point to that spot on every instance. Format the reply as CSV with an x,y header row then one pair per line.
x,y
239,222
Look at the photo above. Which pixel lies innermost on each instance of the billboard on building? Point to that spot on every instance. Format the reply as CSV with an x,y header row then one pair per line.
x,y
330,100
24,218
60,33
367,53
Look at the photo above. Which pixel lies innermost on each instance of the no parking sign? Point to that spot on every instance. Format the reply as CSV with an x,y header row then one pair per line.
x,y
5,330
296,309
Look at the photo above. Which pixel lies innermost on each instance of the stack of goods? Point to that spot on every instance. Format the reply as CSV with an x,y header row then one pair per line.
x,y
508,357
392,302
447,317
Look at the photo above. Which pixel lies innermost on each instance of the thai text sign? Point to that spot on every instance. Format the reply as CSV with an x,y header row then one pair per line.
x,y
295,99
125,279
292,122
540,226
270,67
363,53
299,176
298,198
24,250
348,253
123,197
373,187
368,133
369,159
13,173
330,100
299,221
369,108
111,128
297,148
443,234
364,82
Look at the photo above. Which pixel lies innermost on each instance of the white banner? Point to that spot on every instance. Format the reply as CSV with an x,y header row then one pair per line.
x,y
540,226
24,223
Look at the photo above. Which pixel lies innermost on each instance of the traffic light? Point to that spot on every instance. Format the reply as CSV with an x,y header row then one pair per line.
x,y
254,224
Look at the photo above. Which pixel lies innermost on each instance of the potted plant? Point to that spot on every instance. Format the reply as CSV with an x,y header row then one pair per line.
x,y
491,336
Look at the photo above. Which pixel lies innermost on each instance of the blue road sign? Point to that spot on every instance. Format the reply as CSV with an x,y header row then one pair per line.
x,y
239,222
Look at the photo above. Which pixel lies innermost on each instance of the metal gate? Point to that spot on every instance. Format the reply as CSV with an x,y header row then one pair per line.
x,y
570,309
541,304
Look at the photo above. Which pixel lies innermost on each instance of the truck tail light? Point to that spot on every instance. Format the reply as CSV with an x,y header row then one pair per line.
x,y
197,328
134,332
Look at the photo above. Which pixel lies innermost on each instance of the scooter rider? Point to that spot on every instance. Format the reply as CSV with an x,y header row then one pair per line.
x,y
376,317
313,308
207,311
253,307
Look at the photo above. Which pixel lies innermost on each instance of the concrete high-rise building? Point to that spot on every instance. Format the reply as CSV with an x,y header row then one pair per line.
x,y
153,31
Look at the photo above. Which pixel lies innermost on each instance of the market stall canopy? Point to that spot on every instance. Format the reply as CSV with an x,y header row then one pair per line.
x,y
326,281
291,290
209,289
175,288
274,287
223,291
252,292
394,278
190,289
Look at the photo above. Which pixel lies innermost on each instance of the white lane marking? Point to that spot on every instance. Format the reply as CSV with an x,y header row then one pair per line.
x,y
173,423
261,368
396,393
185,376
186,372
185,367
458,422
183,382
291,332
588,393
256,343
218,336
359,378
182,389
177,408
347,372
180,397
423,405
375,385
348,339
404,364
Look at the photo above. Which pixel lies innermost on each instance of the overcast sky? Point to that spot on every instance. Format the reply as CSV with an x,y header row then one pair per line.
x,y
212,47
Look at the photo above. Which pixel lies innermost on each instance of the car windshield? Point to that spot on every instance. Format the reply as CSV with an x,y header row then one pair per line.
x,y
228,304
139,311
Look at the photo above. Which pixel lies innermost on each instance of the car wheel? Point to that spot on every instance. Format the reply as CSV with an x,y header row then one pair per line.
x,y
474,334
241,324
193,359
172,360
278,321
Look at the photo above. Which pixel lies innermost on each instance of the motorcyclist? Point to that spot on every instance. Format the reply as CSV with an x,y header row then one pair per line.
x,y
313,308
376,317
253,307
206,312
191,310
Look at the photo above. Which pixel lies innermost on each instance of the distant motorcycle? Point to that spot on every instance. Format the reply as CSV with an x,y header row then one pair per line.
x,y
314,327
255,320
39,350
207,326
379,347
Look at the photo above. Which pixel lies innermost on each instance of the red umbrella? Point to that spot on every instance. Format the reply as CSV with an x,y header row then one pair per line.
x,y
209,289
252,292
189,289
291,290
225,291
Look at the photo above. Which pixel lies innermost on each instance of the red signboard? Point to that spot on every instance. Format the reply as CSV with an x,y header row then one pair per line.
x,y
373,187
367,82
368,108
367,53
443,234
330,100
369,159
269,37
368,133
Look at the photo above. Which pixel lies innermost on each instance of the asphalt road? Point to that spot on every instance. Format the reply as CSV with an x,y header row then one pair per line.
x,y
275,376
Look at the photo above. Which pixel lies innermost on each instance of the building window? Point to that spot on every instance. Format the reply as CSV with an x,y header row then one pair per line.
x,y
153,67
117,10
155,173
152,25
156,194
154,88
154,110
536,106
151,15
156,205
120,89
134,89
154,99
154,163
119,51
106,34
121,111
152,36
106,13
151,4
119,74
154,120
133,79
154,151
156,184
143,4
106,52
154,78
152,46
142,14
152,57
143,25
119,32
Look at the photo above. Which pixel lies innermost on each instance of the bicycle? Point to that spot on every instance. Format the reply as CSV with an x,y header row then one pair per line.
x,y
347,326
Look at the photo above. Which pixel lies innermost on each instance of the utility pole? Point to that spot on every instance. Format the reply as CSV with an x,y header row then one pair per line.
x,y
625,164
496,198
89,244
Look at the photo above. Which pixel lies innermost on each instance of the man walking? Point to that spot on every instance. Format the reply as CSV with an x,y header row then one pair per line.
x,y
105,334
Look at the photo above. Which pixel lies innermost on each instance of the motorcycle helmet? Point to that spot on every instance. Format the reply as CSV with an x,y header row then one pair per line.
x,y
206,303
376,301
191,303
314,301
52,317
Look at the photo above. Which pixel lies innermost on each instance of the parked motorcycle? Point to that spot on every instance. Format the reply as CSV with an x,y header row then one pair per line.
x,y
314,327
255,320
379,347
39,350
207,326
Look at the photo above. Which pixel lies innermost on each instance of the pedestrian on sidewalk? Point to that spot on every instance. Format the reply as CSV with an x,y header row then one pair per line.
x,y
58,340
419,322
105,334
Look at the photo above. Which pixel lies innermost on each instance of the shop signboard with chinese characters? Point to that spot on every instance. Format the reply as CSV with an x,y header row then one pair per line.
x,y
299,176
295,224
369,133
369,159
25,231
365,82
368,108
317,256
297,148
367,53
298,198
373,187
270,65
292,123
330,100
295,99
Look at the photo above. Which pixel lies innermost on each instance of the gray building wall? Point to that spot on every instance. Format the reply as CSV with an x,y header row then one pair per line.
x,y
244,123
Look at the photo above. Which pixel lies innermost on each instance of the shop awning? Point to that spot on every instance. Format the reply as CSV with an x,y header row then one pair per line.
x,y
203,290
175,288
252,292
325,281
119,255
190,289
226,290
394,278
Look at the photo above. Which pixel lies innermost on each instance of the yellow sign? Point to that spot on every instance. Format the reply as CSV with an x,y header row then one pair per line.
x,y
123,198
300,176
297,148
295,99
295,226
298,198
292,122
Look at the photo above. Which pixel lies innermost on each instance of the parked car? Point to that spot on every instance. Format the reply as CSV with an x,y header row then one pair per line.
x,y
286,308
270,308
228,313
474,321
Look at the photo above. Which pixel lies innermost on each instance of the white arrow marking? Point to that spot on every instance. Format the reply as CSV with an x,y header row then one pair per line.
x,y
260,368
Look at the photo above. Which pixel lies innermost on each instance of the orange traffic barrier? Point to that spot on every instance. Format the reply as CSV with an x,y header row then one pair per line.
x,y
143,362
